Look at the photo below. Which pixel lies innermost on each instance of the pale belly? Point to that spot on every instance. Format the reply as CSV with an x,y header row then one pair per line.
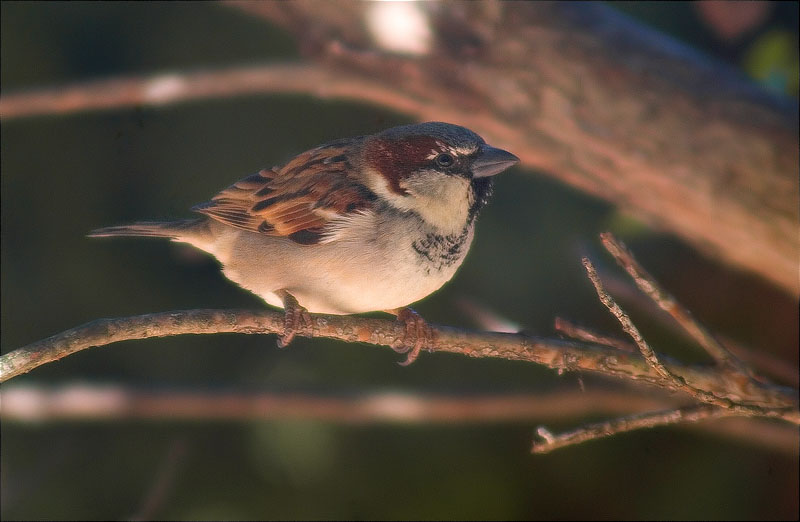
x,y
334,278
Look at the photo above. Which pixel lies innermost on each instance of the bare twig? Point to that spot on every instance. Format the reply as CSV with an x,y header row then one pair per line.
x,y
629,328
584,334
669,376
550,442
669,304
714,406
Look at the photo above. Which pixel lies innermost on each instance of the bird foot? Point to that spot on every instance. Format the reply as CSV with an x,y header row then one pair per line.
x,y
418,334
295,318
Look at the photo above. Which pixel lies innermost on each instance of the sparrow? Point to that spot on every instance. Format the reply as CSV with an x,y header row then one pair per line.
x,y
371,223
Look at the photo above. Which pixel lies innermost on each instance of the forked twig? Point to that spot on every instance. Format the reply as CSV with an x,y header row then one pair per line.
x,y
652,359
713,405
669,304
584,334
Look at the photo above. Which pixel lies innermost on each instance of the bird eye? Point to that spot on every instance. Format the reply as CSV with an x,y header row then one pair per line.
x,y
445,160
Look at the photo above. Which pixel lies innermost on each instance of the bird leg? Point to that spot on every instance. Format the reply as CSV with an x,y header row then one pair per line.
x,y
418,334
295,317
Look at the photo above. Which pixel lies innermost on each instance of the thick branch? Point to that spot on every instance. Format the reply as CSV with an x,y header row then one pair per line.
x,y
601,102
576,90
556,354
175,87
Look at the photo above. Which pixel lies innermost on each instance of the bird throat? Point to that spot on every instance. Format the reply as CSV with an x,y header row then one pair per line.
x,y
438,252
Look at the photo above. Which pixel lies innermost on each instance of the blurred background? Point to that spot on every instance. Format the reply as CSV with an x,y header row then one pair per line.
x,y
65,175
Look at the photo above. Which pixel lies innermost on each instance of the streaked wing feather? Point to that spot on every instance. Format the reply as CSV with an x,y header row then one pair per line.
x,y
297,200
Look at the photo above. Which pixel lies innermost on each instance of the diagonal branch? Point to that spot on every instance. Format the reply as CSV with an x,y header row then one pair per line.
x,y
574,89
589,96
669,376
176,87
712,405
668,303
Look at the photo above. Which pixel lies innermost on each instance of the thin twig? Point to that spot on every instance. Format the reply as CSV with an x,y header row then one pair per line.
x,y
669,304
629,328
550,442
713,407
584,334
671,378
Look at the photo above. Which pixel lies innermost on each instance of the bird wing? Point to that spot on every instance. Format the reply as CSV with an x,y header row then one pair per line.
x,y
297,200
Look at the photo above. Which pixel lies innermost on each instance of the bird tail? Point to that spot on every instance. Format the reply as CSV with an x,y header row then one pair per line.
x,y
168,229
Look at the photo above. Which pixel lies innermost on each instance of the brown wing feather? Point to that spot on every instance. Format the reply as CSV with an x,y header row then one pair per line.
x,y
296,200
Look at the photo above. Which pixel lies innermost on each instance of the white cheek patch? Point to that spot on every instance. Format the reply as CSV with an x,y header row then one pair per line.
x,y
380,186
443,201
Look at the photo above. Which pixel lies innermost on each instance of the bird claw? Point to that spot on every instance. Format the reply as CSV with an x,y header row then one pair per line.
x,y
295,318
418,335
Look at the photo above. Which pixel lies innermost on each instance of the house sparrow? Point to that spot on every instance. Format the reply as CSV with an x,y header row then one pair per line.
x,y
357,225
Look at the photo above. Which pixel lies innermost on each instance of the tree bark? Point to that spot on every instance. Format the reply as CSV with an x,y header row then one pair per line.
x,y
585,94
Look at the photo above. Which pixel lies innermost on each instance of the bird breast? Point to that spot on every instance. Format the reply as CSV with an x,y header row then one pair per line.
x,y
378,262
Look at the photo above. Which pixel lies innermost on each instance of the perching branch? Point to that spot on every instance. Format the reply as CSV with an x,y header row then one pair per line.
x,y
553,353
725,389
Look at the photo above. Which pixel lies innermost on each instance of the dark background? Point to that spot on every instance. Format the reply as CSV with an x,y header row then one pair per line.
x,y
65,175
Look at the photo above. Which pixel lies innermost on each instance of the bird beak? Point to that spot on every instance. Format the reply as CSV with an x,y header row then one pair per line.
x,y
492,161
